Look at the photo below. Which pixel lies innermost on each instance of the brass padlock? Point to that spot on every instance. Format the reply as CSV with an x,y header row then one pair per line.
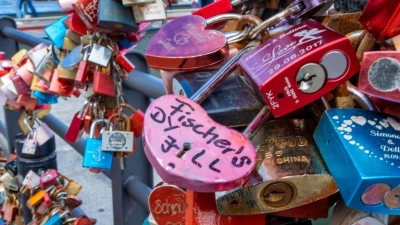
x,y
289,171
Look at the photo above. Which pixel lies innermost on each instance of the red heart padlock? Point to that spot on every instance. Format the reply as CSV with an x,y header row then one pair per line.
x,y
190,150
185,44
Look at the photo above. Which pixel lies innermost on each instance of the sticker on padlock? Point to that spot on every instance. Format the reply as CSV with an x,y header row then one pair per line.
x,y
356,138
288,163
118,140
314,61
30,145
172,47
94,157
232,104
380,75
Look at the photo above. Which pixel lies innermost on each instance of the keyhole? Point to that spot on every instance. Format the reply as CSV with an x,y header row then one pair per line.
x,y
87,87
274,196
186,147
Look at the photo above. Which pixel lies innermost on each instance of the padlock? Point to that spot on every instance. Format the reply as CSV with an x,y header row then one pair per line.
x,y
56,32
82,72
87,91
75,38
167,195
25,74
56,218
34,84
172,47
45,98
118,140
114,16
361,138
380,75
136,120
71,60
268,66
60,87
384,25
30,144
8,88
219,7
20,86
19,58
69,44
87,11
100,55
27,101
202,207
11,184
48,179
11,168
45,68
35,199
10,210
103,83
125,63
288,162
76,25
149,12
37,53
75,129
94,157
232,104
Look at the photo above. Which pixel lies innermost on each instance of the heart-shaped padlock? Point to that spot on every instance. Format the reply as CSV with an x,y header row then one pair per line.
x,y
185,44
187,148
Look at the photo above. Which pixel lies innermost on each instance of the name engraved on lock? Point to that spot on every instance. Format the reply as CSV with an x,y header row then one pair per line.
x,y
190,150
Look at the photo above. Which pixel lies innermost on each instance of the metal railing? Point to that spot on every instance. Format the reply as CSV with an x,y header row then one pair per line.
x,y
130,187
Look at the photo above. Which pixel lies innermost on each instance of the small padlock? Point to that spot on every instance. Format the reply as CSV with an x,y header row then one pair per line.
x,y
35,199
118,140
45,68
71,60
94,157
76,25
125,63
45,98
25,74
10,210
136,120
363,144
20,57
30,144
20,86
69,44
72,187
75,130
103,83
232,104
37,53
11,184
27,101
48,179
87,11
11,168
100,55
149,12
56,32
57,218
114,16
82,72
60,87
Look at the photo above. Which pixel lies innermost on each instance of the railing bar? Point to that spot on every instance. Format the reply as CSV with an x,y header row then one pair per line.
x,y
139,191
22,37
3,129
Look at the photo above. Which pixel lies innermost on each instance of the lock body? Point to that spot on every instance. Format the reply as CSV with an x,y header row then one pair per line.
x,y
289,171
279,67
382,25
114,16
233,103
360,149
149,12
380,75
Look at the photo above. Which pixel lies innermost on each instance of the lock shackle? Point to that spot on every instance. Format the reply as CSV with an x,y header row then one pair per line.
x,y
124,105
249,19
272,20
84,108
94,124
26,123
121,117
363,100
222,18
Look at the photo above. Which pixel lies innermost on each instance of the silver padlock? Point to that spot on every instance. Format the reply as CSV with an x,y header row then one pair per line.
x,y
45,68
31,180
37,53
149,12
100,55
11,183
87,91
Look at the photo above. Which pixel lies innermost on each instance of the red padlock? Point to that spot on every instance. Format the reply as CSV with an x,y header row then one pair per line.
x,y
87,11
125,63
75,129
299,66
103,84
27,101
60,87
76,25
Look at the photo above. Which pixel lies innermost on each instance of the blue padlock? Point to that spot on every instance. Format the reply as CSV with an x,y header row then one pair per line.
x,y
45,98
362,152
57,219
93,156
56,32
112,15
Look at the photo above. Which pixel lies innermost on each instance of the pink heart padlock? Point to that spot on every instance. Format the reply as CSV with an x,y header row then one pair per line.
x,y
185,44
188,149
